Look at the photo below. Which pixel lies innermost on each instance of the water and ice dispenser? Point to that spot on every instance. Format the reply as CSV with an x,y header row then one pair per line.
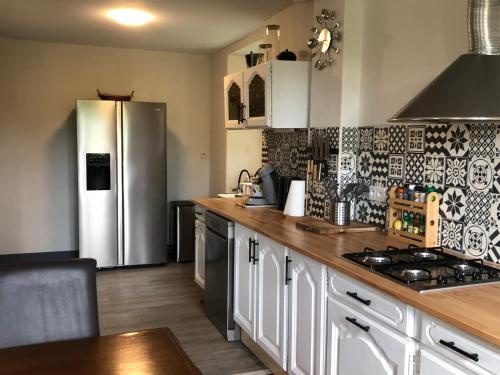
x,y
98,172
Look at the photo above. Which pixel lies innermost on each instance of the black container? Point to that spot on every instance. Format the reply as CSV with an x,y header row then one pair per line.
x,y
252,59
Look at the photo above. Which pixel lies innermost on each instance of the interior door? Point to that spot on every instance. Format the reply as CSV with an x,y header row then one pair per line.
x,y
357,345
272,310
144,183
233,101
257,95
244,280
307,306
433,363
97,181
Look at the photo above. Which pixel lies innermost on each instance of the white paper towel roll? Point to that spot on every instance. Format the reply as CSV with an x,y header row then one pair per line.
x,y
296,198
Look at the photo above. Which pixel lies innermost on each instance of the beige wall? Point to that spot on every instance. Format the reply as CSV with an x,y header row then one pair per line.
x,y
295,24
406,44
39,83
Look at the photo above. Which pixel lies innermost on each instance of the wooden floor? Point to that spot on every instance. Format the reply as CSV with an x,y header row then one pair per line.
x,y
142,298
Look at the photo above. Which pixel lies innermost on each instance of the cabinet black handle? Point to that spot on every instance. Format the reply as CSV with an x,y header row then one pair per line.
x,y
241,117
250,242
354,321
287,261
451,345
255,259
355,296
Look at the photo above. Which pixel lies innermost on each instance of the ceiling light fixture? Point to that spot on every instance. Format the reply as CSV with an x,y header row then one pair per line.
x,y
130,16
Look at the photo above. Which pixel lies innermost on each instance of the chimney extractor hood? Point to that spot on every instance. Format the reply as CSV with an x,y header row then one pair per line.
x,y
469,89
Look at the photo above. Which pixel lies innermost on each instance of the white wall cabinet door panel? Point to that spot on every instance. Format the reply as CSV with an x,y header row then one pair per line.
x,y
233,101
358,345
432,363
271,299
257,98
199,253
307,315
244,280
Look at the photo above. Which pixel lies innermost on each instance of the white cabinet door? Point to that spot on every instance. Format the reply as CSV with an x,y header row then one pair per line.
x,y
244,280
358,345
257,100
271,299
432,363
199,253
307,306
233,101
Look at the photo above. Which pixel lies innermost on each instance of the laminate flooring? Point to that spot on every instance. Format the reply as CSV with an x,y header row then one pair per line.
x,y
167,296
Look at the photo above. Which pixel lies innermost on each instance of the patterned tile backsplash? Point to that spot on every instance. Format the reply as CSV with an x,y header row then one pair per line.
x,y
462,161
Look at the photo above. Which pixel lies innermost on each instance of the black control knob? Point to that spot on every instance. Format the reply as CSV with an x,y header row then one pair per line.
x,y
460,277
476,275
442,280
492,274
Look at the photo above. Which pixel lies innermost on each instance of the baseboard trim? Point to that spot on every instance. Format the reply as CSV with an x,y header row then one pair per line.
x,y
38,257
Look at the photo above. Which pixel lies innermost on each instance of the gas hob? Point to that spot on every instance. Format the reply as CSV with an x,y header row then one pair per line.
x,y
425,269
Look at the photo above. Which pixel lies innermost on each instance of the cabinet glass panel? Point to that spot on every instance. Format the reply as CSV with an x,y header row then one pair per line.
x,y
233,101
257,97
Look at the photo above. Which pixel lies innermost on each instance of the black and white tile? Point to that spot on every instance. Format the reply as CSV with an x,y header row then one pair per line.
x,y
478,208
415,139
434,170
396,166
414,169
435,139
365,164
480,174
482,140
495,186
476,240
494,245
377,213
381,139
350,139
366,139
456,171
363,211
458,140
452,234
397,139
453,206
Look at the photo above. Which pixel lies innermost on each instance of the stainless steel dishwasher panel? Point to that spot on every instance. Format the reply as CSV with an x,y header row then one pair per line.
x,y
219,275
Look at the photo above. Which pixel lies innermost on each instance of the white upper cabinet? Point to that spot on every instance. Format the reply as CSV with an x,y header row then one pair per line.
x,y
233,101
274,94
306,280
271,305
244,280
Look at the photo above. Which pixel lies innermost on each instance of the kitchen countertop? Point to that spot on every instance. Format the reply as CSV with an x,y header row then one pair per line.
x,y
474,309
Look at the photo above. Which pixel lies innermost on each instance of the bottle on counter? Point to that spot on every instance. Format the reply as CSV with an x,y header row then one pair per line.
x,y
401,192
416,224
404,218
421,225
410,222
417,194
410,192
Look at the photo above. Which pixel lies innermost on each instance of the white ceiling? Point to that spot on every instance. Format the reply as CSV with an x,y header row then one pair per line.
x,y
180,25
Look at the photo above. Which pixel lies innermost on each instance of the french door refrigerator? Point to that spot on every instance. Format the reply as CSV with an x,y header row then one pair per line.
x,y
122,182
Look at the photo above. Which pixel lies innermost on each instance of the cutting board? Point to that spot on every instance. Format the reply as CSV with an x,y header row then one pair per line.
x,y
324,227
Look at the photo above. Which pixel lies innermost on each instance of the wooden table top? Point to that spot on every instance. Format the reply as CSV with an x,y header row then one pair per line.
x,y
475,309
155,351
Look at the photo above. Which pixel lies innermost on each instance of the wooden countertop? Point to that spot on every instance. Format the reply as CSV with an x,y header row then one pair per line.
x,y
474,309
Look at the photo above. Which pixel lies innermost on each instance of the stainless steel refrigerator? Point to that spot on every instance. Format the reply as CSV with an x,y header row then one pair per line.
x,y
122,184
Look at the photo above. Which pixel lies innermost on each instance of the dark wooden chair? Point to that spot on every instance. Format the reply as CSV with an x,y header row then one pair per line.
x,y
47,301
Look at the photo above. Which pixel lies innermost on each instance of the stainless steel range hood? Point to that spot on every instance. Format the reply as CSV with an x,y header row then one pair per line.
x,y
469,89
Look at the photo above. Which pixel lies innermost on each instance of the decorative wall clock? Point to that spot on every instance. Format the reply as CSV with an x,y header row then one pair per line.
x,y
324,39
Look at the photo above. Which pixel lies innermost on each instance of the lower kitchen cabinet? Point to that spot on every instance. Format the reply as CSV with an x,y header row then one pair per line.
x,y
433,363
272,310
358,345
306,280
244,280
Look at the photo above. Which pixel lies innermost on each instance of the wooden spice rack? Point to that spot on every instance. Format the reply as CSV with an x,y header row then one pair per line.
x,y
429,209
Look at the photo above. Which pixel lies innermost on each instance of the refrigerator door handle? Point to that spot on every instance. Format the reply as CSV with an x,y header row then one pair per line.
x,y
119,180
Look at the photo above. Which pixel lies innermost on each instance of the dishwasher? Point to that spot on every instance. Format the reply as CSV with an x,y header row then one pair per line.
x,y
219,275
